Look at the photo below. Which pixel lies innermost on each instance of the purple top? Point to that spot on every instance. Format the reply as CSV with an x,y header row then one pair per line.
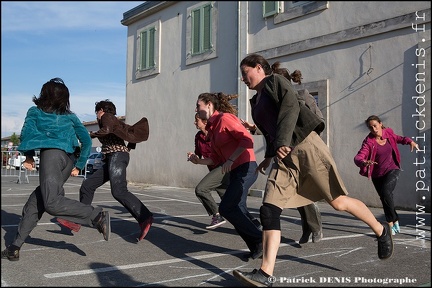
x,y
385,159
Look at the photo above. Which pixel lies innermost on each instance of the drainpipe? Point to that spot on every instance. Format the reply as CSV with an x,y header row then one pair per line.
x,y
242,50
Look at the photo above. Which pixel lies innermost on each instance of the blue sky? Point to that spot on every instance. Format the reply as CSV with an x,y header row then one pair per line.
x,y
81,42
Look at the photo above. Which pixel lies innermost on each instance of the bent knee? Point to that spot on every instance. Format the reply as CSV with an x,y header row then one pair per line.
x,y
53,208
339,204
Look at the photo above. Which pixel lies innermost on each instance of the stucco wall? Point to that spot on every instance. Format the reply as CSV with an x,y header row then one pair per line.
x,y
366,58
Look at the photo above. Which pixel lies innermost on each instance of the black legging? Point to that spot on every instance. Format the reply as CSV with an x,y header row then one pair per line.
x,y
384,186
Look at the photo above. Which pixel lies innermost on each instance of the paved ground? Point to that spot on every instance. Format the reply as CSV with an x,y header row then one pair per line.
x,y
179,251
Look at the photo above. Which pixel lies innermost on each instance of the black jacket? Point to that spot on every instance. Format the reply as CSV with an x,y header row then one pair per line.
x,y
295,120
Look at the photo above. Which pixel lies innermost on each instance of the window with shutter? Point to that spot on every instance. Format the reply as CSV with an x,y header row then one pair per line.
x,y
201,29
147,56
270,8
147,49
201,32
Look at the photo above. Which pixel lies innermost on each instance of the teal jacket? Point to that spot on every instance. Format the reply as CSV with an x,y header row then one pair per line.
x,y
59,131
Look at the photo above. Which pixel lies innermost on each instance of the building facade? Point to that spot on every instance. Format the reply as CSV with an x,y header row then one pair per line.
x,y
357,58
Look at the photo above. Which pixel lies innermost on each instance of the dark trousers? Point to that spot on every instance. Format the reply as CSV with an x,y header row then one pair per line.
x,y
114,170
213,181
385,186
233,206
310,218
54,170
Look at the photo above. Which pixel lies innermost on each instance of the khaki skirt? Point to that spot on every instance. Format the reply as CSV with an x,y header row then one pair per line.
x,y
308,174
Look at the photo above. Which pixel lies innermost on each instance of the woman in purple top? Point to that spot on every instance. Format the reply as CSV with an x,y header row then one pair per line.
x,y
379,159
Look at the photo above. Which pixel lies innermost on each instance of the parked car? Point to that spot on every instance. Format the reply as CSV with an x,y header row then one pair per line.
x,y
94,162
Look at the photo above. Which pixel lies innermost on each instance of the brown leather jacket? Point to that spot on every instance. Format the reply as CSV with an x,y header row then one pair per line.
x,y
135,133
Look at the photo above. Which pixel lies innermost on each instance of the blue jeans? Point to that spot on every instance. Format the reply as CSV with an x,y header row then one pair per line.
x,y
54,170
385,186
114,170
233,206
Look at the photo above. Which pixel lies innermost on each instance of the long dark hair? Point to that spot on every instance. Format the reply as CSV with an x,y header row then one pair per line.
x,y
220,101
53,97
253,60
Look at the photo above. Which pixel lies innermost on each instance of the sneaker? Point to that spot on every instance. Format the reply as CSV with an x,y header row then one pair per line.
x,y
145,227
305,237
217,221
385,242
254,278
396,227
68,224
11,253
317,236
104,225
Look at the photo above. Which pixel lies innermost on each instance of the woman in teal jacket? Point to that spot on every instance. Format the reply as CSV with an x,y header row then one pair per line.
x,y
379,159
54,129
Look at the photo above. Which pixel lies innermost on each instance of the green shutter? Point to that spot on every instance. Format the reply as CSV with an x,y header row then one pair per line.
x,y
270,8
151,48
196,31
144,50
207,45
201,29
148,38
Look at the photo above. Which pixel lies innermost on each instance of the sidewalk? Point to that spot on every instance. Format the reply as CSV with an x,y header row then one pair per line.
x,y
180,252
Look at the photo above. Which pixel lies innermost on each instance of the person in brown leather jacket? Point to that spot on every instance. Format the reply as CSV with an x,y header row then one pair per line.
x,y
112,134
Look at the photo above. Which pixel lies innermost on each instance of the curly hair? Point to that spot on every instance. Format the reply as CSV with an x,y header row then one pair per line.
x,y
296,76
107,106
220,101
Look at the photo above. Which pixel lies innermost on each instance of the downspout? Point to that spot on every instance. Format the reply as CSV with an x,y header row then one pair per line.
x,y
242,51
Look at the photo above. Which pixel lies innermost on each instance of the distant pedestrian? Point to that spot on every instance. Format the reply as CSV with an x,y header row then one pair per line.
x,y
51,127
379,159
112,134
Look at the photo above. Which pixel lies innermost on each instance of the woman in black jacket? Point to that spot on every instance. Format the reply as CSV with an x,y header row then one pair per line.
x,y
303,171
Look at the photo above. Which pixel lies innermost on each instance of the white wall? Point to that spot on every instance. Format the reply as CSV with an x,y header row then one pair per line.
x,y
339,44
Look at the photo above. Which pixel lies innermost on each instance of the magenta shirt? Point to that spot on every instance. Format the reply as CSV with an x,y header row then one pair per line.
x,y
226,134
386,160
368,150
203,148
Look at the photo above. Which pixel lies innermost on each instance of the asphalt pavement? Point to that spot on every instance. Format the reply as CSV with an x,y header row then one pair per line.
x,y
179,252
